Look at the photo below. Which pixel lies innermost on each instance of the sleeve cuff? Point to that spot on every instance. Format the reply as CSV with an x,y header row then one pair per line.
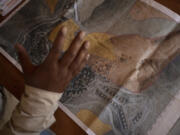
x,y
42,93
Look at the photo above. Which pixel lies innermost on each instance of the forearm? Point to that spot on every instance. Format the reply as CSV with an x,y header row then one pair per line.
x,y
34,113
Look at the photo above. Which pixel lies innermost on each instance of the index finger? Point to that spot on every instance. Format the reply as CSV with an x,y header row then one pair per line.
x,y
57,46
73,50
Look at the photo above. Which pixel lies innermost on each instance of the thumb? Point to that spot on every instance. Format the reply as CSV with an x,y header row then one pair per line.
x,y
25,61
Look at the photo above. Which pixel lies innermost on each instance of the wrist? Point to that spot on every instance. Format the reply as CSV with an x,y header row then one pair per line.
x,y
43,92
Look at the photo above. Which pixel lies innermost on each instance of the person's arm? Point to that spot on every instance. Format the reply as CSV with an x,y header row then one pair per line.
x,y
34,113
45,83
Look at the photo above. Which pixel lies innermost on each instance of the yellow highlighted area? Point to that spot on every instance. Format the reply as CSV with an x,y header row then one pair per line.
x,y
100,42
92,121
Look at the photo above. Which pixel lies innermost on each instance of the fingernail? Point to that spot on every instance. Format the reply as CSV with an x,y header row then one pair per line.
x,y
82,34
87,44
64,30
87,57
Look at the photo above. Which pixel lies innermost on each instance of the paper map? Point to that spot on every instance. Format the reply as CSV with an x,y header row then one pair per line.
x,y
135,47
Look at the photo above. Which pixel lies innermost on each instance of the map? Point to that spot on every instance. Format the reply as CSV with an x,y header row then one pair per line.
x,y
130,85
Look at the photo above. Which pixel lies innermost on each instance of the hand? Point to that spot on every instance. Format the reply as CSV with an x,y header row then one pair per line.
x,y
54,74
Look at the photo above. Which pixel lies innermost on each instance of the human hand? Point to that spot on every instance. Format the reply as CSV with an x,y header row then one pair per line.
x,y
54,74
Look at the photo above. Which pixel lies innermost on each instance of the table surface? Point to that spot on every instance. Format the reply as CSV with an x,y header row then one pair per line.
x,y
19,6
13,80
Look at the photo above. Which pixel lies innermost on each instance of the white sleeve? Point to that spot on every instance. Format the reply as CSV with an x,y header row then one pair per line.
x,y
34,113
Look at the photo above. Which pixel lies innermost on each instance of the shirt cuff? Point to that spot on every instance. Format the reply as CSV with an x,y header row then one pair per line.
x,y
42,93
36,109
